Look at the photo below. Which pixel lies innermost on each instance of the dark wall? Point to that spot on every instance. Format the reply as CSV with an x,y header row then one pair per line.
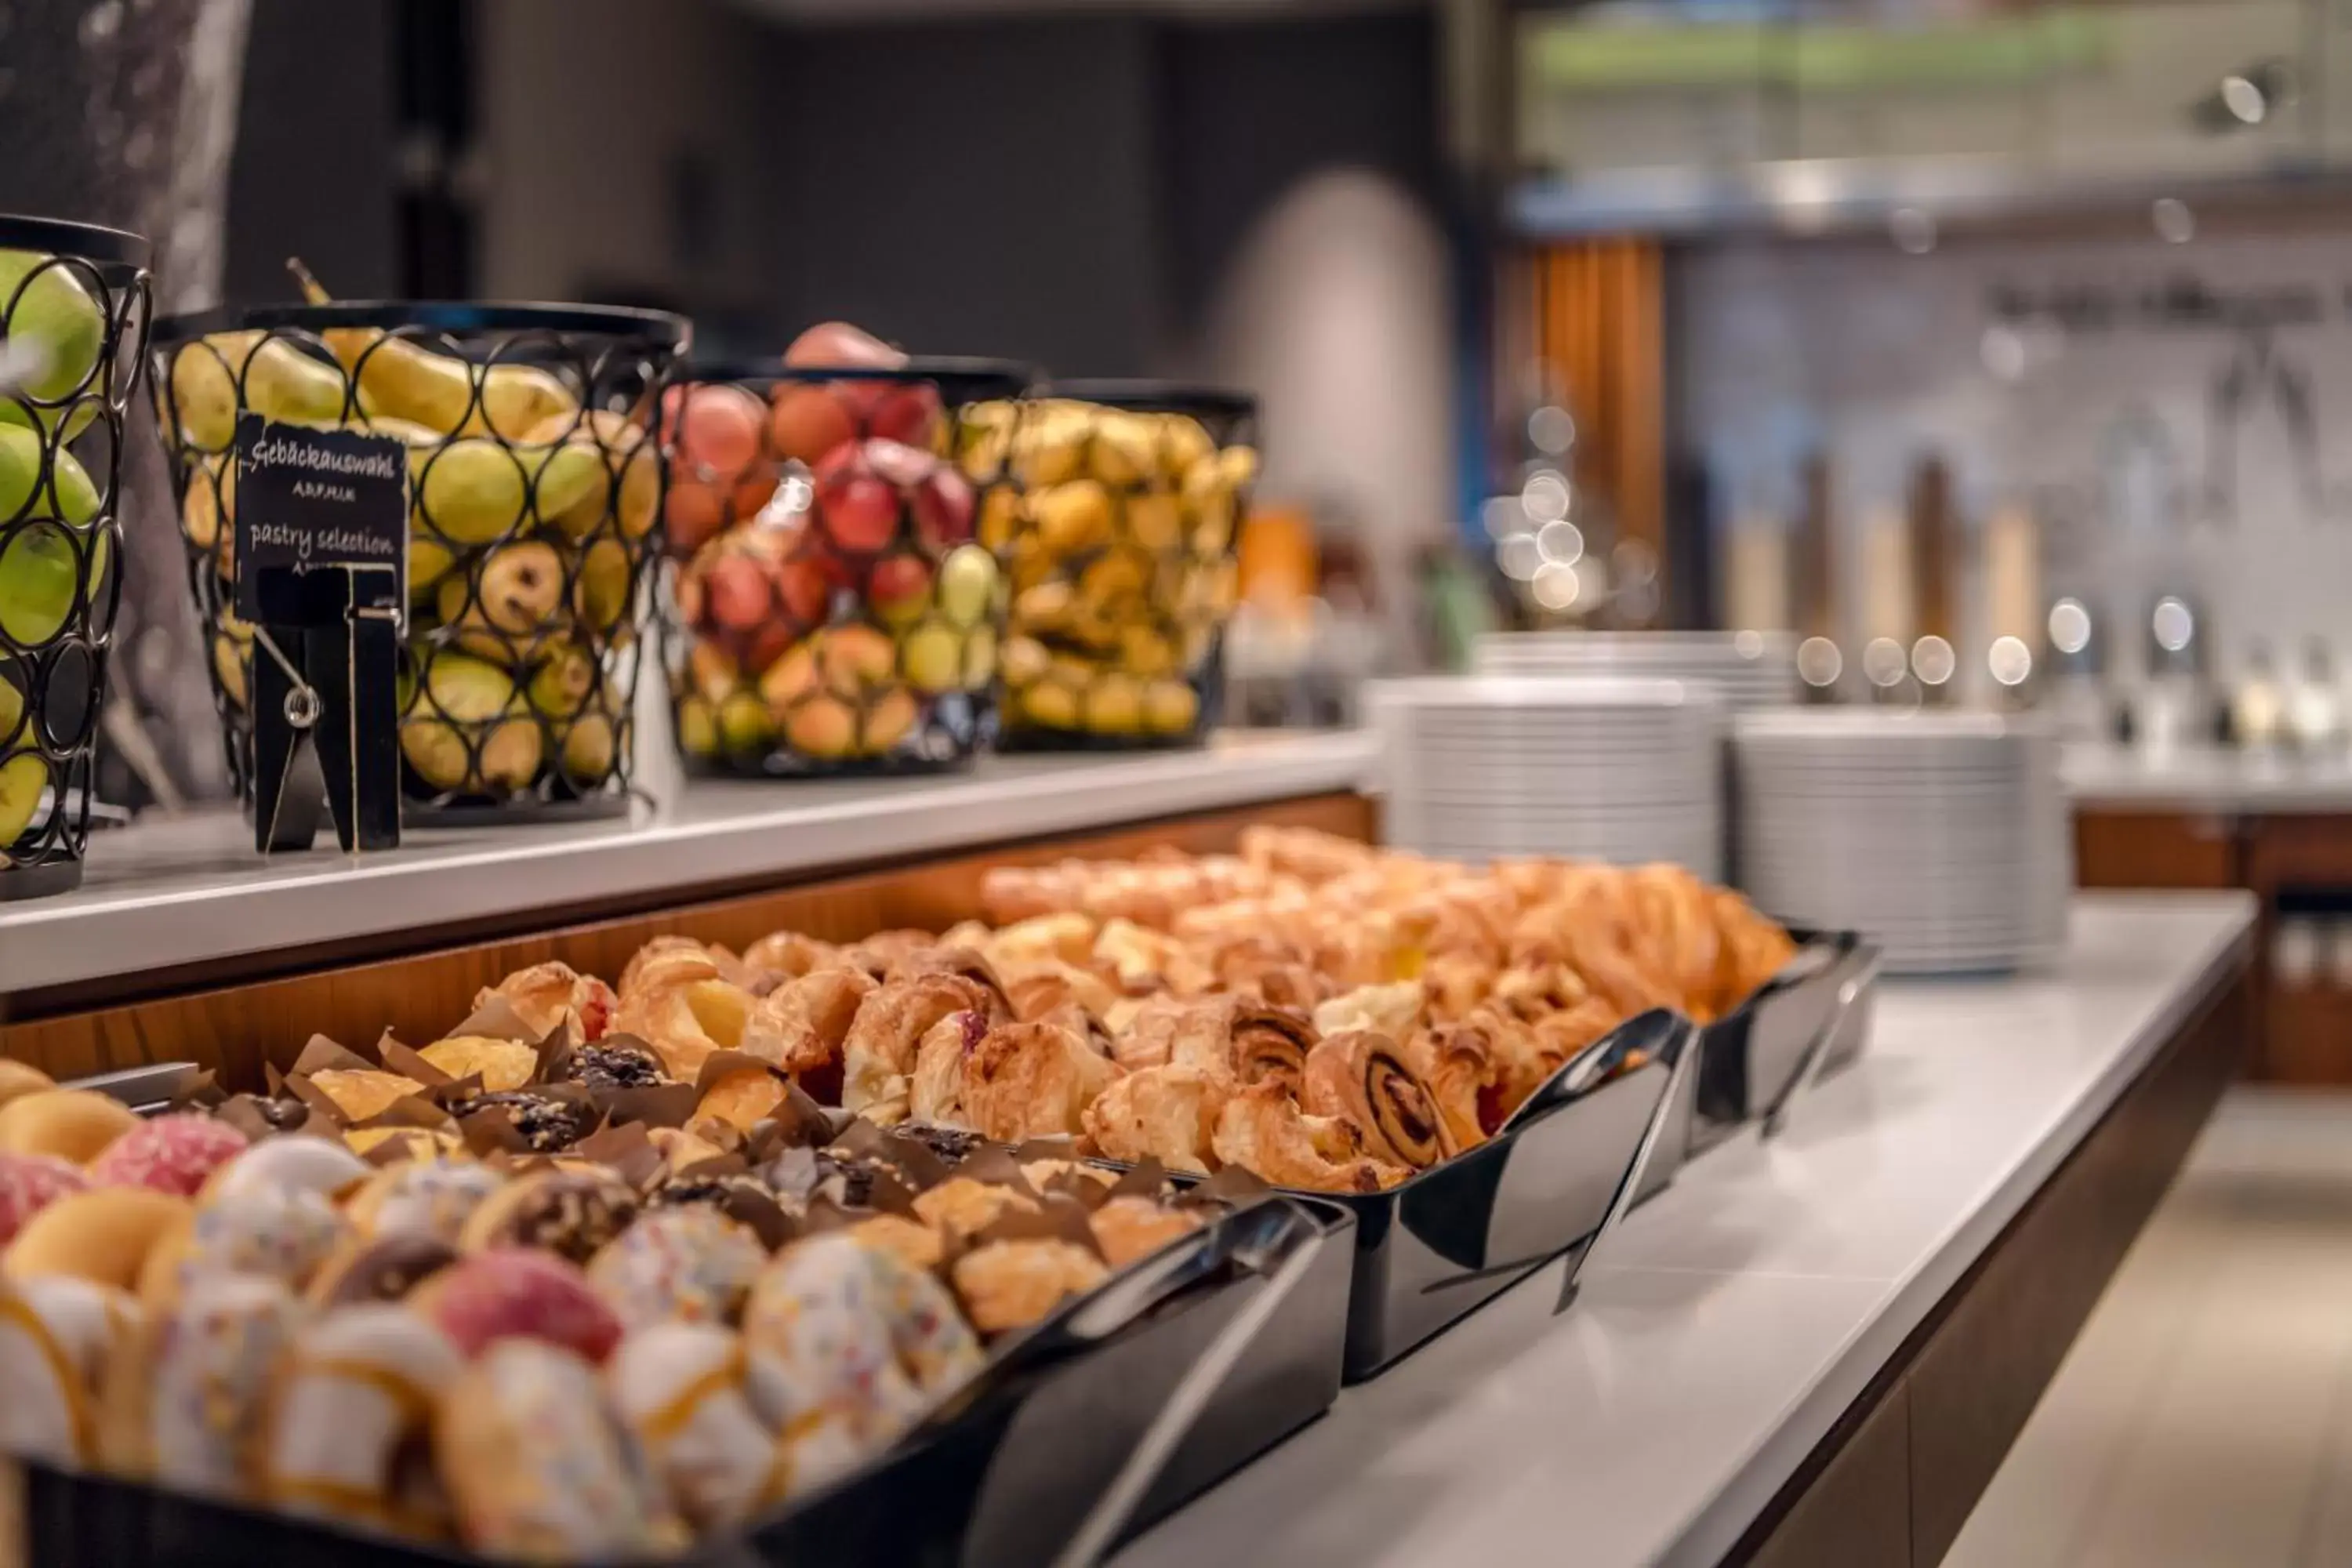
x,y
1252,108
313,174
984,188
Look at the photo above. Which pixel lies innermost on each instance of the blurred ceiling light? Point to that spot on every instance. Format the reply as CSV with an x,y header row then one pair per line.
x,y
1556,587
1552,430
1914,229
1819,663
2010,660
2246,102
1561,542
2070,627
1545,495
1933,661
2175,224
2173,623
1883,663
1518,557
1502,516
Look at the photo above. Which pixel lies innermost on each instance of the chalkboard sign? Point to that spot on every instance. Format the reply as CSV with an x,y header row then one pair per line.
x,y
308,502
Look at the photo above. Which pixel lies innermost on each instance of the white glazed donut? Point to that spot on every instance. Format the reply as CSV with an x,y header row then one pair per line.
x,y
680,1387
358,1384
210,1364
55,1332
314,1164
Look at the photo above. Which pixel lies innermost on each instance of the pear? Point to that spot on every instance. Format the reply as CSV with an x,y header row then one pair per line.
x,y
511,598
591,743
575,487
40,581
228,668
1170,707
409,380
69,493
600,588
49,309
278,379
467,700
12,702
563,681
21,779
698,727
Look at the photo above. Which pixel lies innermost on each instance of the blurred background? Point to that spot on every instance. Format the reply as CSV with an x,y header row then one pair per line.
x,y
1987,346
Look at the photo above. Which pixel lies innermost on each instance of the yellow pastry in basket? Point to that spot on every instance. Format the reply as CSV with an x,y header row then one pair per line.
x,y
360,1093
1008,1285
501,1065
74,1124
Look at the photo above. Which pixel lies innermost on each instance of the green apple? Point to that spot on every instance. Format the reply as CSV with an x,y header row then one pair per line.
x,y
21,779
58,318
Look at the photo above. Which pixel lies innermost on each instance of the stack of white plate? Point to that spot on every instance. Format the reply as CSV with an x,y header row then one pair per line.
x,y
1944,838
1749,669
1481,766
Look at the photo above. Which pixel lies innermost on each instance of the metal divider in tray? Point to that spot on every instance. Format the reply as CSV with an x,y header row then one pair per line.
x,y
1809,1018
1122,1405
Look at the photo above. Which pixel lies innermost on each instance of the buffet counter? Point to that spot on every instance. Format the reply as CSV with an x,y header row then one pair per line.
x,y
190,892
2102,776
1819,1339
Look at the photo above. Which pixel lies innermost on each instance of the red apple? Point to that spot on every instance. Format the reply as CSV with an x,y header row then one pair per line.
x,y
719,430
694,514
760,647
943,506
900,588
808,421
908,412
839,343
802,590
752,490
736,588
857,507
896,461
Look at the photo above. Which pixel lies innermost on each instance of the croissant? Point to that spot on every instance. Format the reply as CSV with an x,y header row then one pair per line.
x,y
1365,1080
1261,1130
878,952
1309,854
1065,937
1050,986
680,1004
1032,1080
935,1090
1167,1113
789,954
1269,969
1752,949
1676,915
1145,960
801,1024
880,1045
548,995
1391,1010
660,953
1455,1064
1454,983
964,962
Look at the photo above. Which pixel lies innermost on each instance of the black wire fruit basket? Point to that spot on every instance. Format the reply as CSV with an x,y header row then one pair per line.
x,y
835,612
1118,517
73,329
537,494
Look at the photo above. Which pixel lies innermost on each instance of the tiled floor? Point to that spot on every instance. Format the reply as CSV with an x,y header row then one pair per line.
x,y
2204,1417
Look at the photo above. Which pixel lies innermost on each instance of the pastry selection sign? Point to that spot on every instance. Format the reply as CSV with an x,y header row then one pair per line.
x,y
320,569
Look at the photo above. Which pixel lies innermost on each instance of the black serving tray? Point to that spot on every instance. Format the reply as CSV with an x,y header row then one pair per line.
x,y
1052,1453
1563,1169
1810,1017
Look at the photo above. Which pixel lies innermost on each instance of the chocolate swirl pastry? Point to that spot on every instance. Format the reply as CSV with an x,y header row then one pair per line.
x,y
613,1064
800,1176
547,1122
1365,1082
717,1188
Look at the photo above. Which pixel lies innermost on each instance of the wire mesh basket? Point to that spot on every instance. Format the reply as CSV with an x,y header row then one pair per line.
x,y
834,614
537,497
1117,511
73,329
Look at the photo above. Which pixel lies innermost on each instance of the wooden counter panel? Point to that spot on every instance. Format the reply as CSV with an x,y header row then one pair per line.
x,y
234,1029
1912,1457
2156,849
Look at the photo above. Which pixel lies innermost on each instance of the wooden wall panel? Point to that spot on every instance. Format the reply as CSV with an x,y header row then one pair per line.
x,y
1600,328
2156,849
234,1030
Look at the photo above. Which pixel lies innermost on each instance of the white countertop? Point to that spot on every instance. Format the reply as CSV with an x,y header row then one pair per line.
x,y
1717,1335
191,891
2205,779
